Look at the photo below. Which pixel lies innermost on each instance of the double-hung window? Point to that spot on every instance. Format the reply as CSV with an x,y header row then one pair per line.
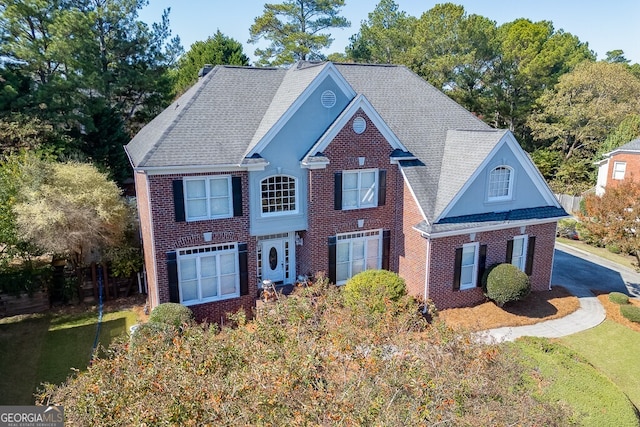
x,y
519,252
469,266
619,168
500,183
208,198
359,189
208,273
356,252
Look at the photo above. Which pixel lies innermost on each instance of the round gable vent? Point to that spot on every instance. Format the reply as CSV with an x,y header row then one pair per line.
x,y
359,125
328,99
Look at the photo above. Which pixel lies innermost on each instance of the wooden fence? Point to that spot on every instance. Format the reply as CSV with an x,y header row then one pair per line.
x,y
571,204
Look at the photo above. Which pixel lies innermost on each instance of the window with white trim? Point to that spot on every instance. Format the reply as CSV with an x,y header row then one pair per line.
x,y
356,252
278,195
469,266
208,198
359,189
500,183
208,273
619,168
519,252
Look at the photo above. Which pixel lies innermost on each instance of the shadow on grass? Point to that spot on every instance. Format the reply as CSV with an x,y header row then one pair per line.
x,y
47,349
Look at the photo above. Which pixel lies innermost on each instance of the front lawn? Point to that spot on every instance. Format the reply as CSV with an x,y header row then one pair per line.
x,y
46,347
614,350
562,376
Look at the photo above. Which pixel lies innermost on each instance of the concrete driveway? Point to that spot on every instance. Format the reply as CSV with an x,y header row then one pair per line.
x,y
574,269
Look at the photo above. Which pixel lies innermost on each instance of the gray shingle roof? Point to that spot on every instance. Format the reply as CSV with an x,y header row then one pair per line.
x,y
633,145
231,109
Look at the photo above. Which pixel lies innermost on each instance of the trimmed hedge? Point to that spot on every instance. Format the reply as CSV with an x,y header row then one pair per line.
x,y
507,283
618,298
372,288
171,313
631,312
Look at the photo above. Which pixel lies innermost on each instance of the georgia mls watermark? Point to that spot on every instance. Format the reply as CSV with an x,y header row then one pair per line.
x,y
31,416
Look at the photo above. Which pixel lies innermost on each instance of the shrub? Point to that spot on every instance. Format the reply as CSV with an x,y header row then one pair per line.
x,y
618,298
506,283
171,313
614,248
372,288
631,312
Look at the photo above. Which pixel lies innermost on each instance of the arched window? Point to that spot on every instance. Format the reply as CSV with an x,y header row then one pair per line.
x,y
500,183
278,194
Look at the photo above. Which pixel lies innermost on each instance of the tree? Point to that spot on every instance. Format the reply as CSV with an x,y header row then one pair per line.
x,y
613,218
584,107
627,130
73,210
295,28
533,56
218,49
384,38
616,56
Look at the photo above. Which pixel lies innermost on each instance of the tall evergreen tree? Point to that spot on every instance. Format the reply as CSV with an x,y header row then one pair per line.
x,y
295,30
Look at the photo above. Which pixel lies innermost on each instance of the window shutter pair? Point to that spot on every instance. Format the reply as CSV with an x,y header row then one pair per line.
x,y
531,245
457,266
337,189
172,272
178,198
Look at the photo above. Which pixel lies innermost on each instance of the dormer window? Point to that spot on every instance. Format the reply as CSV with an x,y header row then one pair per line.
x,y
500,184
278,195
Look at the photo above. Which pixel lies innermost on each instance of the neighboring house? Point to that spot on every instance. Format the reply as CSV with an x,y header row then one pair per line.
x,y
269,173
621,164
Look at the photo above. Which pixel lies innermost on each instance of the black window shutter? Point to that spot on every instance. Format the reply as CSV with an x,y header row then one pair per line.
x,y
482,263
457,269
244,270
509,256
386,248
236,187
337,191
172,272
382,187
332,259
530,250
178,200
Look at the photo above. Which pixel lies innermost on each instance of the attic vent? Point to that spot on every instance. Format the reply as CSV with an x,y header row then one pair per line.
x,y
328,99
359,125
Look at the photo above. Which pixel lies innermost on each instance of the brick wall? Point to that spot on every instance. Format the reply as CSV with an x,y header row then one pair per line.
x,y
412,247
632,171
142,198
443,255
343,153
170,235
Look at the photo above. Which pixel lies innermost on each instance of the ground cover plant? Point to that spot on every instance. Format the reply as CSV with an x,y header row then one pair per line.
x,y
308,359
48,347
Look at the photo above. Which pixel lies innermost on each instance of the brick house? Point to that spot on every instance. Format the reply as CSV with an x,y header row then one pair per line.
x,y
621,164
271,173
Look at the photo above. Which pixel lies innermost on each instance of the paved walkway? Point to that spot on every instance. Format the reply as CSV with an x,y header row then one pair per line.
x,y
591,313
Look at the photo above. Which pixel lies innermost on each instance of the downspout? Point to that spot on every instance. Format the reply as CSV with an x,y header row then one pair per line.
x,y
426,274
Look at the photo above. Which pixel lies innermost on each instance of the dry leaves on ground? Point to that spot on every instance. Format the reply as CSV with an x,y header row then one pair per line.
x,y
537,307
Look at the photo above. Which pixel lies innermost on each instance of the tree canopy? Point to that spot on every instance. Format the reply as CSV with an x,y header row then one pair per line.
x,y
218,49
296,30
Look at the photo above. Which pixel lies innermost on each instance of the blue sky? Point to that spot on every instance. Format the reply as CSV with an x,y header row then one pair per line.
x,y
605,25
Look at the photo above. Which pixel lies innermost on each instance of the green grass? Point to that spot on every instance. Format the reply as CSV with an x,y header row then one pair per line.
x,y
618,359
567,378
626,261
45,348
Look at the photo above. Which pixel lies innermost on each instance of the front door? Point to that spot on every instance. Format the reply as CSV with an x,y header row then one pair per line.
x,y
273,260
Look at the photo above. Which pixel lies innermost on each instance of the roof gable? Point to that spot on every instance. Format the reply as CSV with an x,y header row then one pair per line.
x,y
296,88
492,148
